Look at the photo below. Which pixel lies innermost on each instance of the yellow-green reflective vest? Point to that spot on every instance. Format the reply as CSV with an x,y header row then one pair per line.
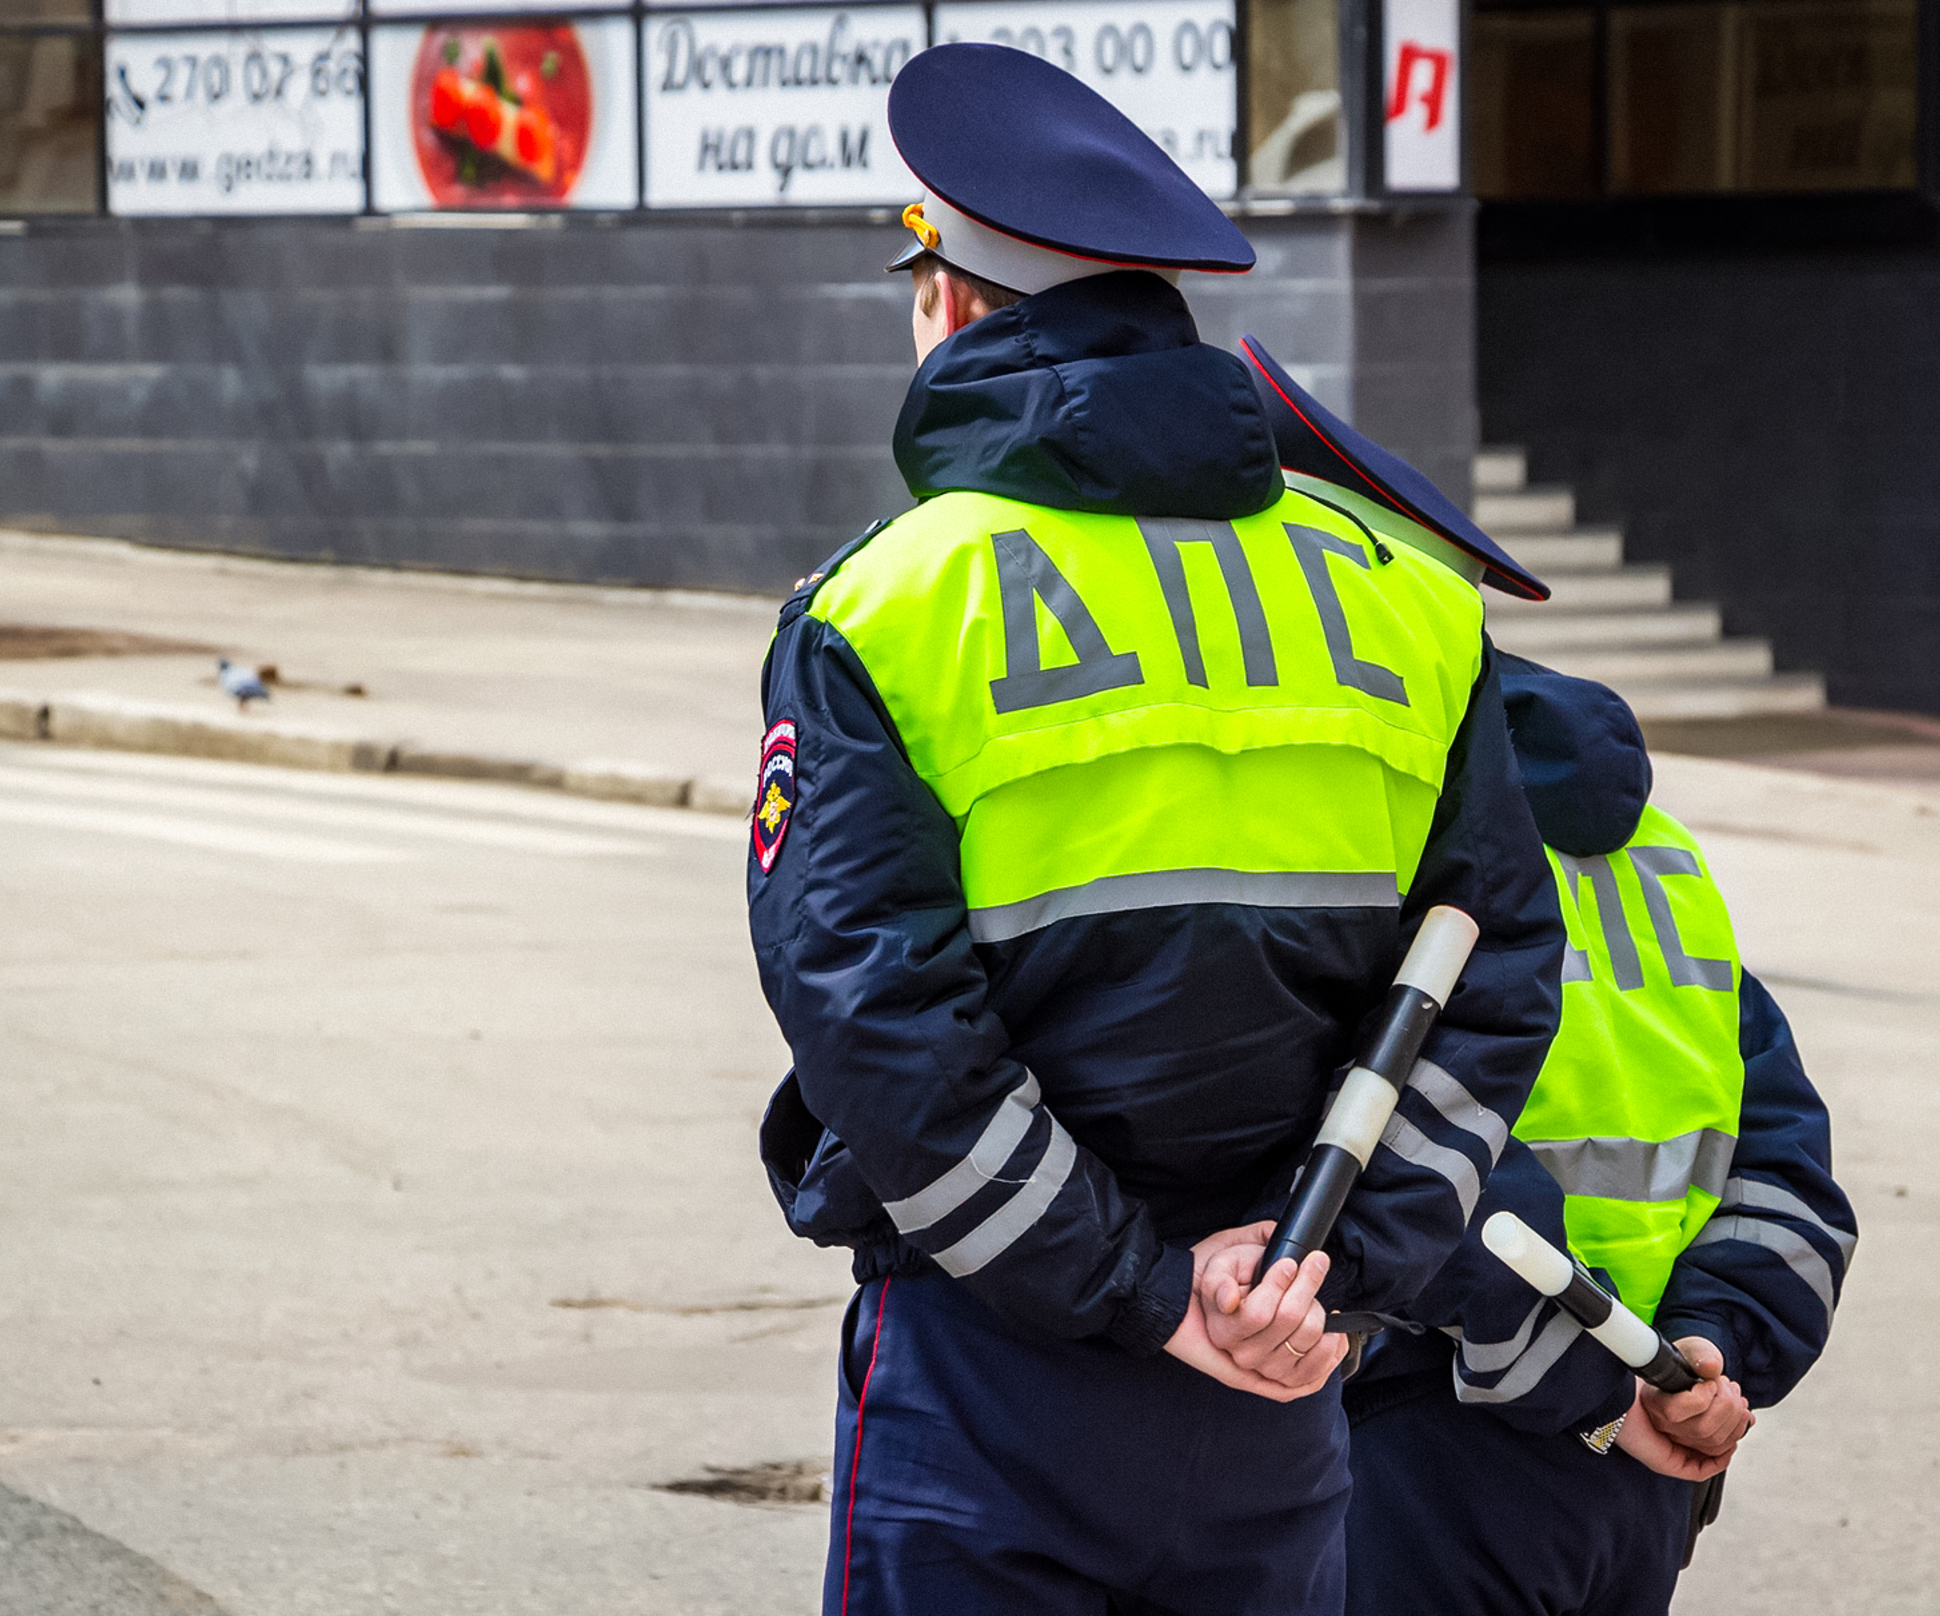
x,y
1636,1111
1125,713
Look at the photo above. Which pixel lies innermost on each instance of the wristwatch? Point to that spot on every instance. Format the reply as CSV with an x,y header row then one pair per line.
x,y
1604,1437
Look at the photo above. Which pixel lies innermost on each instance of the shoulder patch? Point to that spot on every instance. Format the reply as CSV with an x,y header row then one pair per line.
x,y
775,792
805,588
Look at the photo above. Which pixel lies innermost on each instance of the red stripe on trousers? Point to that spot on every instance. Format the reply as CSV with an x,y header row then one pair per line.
x,y
855,1465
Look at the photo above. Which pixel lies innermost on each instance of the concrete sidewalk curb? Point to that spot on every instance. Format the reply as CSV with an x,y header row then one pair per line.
x,y
112,723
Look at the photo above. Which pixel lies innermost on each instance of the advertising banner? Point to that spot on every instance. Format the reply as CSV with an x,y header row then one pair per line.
x,y
522,115
1422,144
237,121
227,13
775,108
1166,64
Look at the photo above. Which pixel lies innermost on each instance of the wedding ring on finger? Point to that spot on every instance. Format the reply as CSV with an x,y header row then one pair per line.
x,y
1288,1344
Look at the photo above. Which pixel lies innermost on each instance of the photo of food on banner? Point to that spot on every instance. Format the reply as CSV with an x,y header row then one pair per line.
x,y
501,114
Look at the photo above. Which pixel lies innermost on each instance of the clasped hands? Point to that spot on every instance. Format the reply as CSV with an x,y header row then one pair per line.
x,y
1689,1435
1270,1339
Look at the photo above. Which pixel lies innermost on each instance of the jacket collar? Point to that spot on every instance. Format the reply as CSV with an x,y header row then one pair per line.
x,y
1095,395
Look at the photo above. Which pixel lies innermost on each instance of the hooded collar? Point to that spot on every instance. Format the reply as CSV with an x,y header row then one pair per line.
x,y
1095,395
1584,767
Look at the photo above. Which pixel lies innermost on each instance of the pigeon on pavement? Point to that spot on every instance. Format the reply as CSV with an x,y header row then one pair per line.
x,y
242,683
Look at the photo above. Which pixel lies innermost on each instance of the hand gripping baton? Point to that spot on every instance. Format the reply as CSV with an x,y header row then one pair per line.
x,y
1367,1098
1557,1274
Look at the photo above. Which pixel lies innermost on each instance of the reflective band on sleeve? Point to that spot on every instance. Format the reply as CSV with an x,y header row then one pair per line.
x,y
1770,1198
1632,1340
1458,1107
1162,889
1798,1252
1011,1221
1528,1369
1486,1357
1359,1113
1001,1135
1412,1145
1639,1169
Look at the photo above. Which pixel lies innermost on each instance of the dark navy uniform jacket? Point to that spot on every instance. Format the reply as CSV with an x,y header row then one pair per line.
x,y
1186,1049
1763,1276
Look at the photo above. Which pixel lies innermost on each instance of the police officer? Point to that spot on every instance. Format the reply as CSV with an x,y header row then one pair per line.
x,y
1676,1138
1099,797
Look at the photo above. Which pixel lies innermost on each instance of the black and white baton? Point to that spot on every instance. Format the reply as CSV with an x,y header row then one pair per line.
x,y
1367,1097
1556,1273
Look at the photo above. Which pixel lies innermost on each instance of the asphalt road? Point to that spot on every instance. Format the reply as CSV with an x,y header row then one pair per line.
x,y
384,1231
383,1222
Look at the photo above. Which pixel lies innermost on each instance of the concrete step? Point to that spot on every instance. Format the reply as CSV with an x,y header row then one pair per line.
x,y
1528,510
1542,633
1727,698
1587,549
1624,665
1501,471
1619,589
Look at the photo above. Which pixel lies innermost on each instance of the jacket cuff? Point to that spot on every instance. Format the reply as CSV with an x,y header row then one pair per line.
x,y
1674,1327
1148,1318
1616,1404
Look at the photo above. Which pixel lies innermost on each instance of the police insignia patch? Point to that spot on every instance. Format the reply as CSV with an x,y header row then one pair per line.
x,y
775,793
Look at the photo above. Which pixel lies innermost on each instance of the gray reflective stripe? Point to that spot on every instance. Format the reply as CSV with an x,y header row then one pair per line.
x,y
1486,1357
1458,1107
1159,889
1799,1253
1412,1145
1001,1135
1755,1192
1163,536
1004,1227
1311,547
1687,970
1576,961
1625,967
1026,575
1529,1368
1619,1169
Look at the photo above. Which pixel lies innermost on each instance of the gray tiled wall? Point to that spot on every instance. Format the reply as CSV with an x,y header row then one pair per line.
x,y
652,402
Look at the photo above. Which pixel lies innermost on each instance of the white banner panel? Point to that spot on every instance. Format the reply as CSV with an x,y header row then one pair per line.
x,y
1422,147
775,108
468,8
1166,64
229,13
236,122
518,115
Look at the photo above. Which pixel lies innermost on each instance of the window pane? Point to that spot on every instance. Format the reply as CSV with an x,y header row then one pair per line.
x,y
1668,114
1532,118
1763,97
1827,97
1293,98
43,11
50,112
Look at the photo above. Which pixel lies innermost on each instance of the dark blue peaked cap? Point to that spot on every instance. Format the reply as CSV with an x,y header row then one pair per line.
x,y
1313,440
1023,147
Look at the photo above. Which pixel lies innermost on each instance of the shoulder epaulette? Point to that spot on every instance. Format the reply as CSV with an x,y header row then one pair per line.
x,y
805,588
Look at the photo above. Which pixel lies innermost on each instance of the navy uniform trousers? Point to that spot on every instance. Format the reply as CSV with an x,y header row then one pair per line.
x,y
1456,1513
981,1474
